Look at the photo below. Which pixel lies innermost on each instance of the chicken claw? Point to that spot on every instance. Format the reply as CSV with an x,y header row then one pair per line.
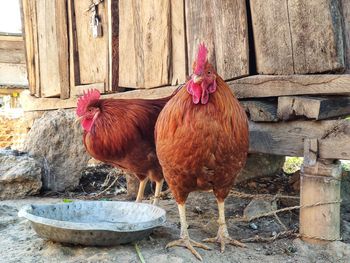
x,y
189,244
224,238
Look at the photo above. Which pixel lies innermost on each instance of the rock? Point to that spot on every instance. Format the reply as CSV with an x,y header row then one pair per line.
x,y
258,207
260,165
57,140
20,175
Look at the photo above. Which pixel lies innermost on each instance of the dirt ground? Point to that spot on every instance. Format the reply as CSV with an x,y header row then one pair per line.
x,y
19,242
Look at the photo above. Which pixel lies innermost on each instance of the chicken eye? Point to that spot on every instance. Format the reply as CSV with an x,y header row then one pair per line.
x,y
209,72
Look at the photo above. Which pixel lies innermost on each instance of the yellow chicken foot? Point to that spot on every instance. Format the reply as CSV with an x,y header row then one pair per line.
x,y
223,236
141,191
159,186
185,240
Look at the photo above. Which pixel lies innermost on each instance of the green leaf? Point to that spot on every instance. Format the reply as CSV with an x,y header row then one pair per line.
x,y
67,201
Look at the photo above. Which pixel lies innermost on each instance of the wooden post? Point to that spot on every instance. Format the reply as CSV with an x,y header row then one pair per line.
x,y
320,183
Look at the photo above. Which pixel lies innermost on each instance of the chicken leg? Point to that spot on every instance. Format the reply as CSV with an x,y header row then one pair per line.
x,y
223,236
185,240
141,191
159,186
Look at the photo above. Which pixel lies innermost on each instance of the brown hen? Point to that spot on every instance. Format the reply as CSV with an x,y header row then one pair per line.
x,y
120,132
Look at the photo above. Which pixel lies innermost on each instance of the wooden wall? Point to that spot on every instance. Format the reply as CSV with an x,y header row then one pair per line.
x,y
12,61
152,44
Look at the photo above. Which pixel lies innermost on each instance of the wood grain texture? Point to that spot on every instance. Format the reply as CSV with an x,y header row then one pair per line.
x,y
178,43
297,36
14,56
320,183
61,13
127,53
222,26
287,138
29,24
335,144
272,37
144,43
346,29
318,108
317,36
274,86
113,45
48,48
260,111
92,52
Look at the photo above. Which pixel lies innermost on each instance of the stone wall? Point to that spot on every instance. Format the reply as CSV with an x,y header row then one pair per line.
x,y
12,132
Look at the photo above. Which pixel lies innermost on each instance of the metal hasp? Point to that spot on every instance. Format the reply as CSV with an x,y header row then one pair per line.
x,y
319,197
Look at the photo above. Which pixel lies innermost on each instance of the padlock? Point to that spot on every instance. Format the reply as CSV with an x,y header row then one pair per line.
x,y
96,28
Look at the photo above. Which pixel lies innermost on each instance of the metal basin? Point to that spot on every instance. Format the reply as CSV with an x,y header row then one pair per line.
x,y
94,223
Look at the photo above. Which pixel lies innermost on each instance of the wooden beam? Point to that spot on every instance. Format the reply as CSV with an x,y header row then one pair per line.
x,y
335,143
30,103
260,111
320,183
287,138
14,56
318,108
285,85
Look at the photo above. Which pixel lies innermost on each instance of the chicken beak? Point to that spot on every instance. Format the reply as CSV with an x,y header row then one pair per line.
x,y
197,79
78,119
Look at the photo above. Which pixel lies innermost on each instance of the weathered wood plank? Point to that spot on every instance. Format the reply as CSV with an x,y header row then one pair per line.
x,y
199,28
52,47
260,111
178,43
74,78
346,30
287,138
113,46
12,43
15,56
29,23
222,26
320,183
318,108
127,53
92,52
62,47
30,103
79,89
317,36
274,86
335,144
13,74
272,38
297,36
145,31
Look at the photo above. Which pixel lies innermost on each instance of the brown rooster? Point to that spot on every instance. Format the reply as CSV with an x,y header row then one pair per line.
x,y
120,132
202,144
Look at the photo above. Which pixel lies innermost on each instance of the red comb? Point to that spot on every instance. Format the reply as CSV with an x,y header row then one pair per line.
x,y
201,59
84,101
